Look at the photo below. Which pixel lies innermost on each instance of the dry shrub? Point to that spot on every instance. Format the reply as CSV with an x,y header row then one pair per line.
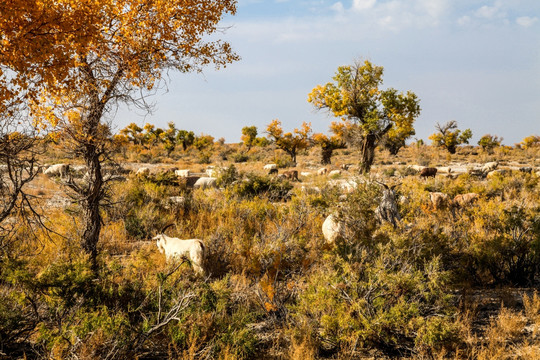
x,y
506,327
502,337
532,310
303,349
526,351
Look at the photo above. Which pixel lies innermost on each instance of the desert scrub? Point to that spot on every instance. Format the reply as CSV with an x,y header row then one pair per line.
x,y
262,186
506,244
240,157
134,306
215,323
228,176
379,304
142,205
249,234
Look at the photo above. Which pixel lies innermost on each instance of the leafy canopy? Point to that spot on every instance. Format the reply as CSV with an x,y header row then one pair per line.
x,y
371,113
290,142
110,48
449,136
355,96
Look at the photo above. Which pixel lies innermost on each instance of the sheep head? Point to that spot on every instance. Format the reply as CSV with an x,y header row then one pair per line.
x,y
160,242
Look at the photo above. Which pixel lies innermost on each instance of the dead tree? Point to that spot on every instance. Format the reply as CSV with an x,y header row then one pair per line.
x,y
18,167
388,209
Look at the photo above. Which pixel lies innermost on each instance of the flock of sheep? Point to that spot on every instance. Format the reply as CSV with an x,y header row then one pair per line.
x,y
332,227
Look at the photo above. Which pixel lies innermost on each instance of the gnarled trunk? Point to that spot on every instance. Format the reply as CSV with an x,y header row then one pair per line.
x,y
91,200
326,156
368,152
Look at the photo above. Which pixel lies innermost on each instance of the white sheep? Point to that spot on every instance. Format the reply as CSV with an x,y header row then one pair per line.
x,y
416,168
144,171
489,166
172,247
334,173
346,185
464,200
439,200
322,171
444,169
57,170
182,173
205,182
270,166
332,229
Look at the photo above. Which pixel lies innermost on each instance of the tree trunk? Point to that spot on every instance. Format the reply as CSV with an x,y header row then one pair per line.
x,y
292,154
91,203
91,144
368,152
326,156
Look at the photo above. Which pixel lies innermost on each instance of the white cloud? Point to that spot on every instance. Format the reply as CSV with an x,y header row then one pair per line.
x,y
434,8
359,5
464,20
526,21
338,7
487,12
491,12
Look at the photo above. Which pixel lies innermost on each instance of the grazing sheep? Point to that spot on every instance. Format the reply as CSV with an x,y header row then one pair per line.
x,y
322,171
334,173
347,186
444,169
144,171
489,166
291,175
526,169
182,173
270,166
172,247
205,182
345,166
305,173
211,171
439,200
417,168
428,171
463,200
61,170
272,171
332,229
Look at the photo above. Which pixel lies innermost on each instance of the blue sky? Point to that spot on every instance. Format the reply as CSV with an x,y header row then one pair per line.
x,y
473,61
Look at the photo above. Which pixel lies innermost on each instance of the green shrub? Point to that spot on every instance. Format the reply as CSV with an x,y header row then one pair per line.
x,y
141,205
256,185
380,304
284,162
227,176
240,158
205,158
508,247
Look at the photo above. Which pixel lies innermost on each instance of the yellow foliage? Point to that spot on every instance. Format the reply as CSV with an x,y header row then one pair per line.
x,y
81,51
